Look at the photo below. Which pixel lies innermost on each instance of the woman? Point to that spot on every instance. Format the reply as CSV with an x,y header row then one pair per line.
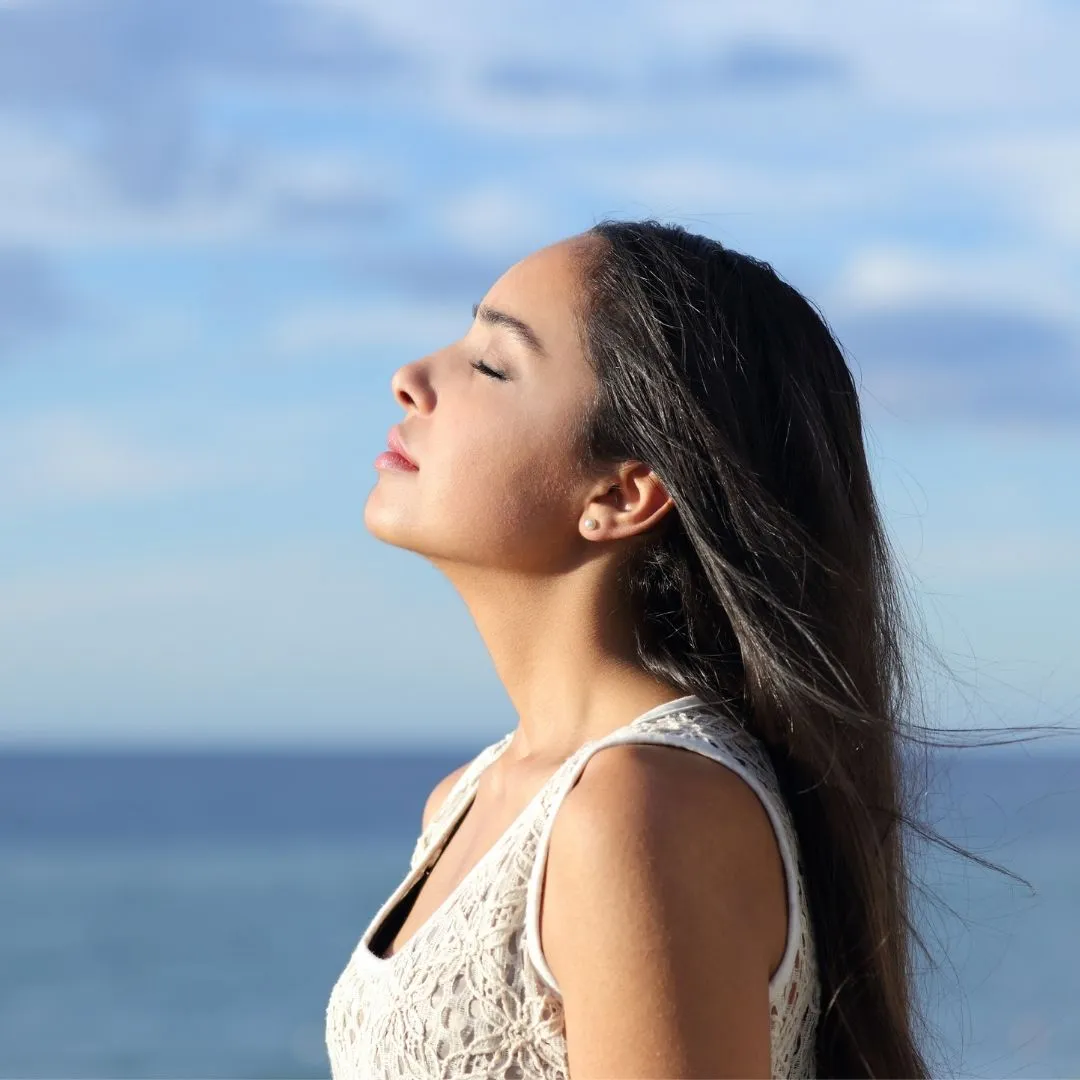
x,y
643,469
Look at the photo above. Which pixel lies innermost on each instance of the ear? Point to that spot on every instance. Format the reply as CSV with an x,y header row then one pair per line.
x,y
632,502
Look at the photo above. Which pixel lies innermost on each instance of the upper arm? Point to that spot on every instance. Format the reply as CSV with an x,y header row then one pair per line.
x,y
438,796
664,915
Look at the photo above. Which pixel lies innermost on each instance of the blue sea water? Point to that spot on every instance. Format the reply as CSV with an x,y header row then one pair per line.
x,y
186,914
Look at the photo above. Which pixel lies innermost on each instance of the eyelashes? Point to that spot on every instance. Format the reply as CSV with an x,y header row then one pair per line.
x,y
490,372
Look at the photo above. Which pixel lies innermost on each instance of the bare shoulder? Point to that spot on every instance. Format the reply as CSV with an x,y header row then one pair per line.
x,y
663,916
438,795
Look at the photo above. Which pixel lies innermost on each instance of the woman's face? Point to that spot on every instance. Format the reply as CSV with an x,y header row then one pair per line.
x,y
499,483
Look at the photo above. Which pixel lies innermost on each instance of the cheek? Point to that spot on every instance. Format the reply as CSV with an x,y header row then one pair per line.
x,y
510,494
538,500
498,487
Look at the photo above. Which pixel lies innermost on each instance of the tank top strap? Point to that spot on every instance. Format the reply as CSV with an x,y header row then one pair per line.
x,y
460,792
723,739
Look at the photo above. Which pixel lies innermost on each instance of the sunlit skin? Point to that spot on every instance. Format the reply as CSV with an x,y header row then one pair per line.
x,y
663,909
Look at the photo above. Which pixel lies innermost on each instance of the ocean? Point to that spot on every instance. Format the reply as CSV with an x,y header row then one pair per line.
x,y
186,914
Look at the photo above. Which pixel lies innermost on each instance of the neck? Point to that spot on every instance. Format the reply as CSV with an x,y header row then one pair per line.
x,y
563,647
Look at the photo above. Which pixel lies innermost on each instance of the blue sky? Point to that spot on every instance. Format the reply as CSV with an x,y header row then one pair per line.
x,y
223,227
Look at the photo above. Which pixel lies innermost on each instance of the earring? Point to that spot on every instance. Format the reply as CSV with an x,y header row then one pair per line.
x,y
591,523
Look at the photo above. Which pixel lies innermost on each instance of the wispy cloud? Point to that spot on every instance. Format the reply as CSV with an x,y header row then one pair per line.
x,y
755,65
280,200
1031,171
73,459
102,50
77,457
355,329
1030,554
417,273
57,196
33,300
895,276
938,362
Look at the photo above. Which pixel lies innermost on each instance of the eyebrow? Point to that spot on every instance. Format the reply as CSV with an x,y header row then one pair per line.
x,y
521,330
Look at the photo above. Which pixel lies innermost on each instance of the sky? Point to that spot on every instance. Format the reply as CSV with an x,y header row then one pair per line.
x,y
224,227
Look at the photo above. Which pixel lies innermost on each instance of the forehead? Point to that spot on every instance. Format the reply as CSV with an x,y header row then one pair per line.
x,y
543,289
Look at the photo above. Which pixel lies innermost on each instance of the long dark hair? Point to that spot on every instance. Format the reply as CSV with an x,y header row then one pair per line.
x,y
773,585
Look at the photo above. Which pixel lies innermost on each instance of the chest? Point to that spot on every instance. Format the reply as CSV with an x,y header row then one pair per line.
x,y
480,825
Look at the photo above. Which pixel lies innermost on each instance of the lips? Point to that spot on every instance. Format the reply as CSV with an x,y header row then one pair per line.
x,y
396,446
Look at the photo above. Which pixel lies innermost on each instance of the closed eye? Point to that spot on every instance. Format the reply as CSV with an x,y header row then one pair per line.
x,y
492,373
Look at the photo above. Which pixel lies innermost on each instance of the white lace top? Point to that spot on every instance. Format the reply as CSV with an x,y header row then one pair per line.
x,y
470,994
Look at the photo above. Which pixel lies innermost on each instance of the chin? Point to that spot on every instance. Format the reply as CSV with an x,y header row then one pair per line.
x,y
382,521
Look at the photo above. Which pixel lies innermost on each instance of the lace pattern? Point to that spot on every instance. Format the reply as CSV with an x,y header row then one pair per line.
x,y
470,994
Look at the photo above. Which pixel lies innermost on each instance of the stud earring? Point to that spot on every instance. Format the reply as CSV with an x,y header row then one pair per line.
x,y
591,523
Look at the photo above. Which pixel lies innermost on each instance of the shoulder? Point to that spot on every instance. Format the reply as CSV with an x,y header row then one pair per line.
x,y
439,793
663,784
671,816
664,908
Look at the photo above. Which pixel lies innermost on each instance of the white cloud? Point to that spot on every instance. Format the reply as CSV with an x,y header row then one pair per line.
x,y
490,219
924,58
998,67
695,184
65,457
970,105
930,59
881,276
71,458
146,334
1041,554
397,325
56,196
1032,172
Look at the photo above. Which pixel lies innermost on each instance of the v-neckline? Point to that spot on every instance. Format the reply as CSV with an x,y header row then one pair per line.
x,y
435,853
436,849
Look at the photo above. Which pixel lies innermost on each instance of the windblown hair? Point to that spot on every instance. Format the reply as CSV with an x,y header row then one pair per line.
x,y
771,587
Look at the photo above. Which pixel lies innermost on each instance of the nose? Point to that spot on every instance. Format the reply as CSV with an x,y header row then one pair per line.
x,y
413,383
399,386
